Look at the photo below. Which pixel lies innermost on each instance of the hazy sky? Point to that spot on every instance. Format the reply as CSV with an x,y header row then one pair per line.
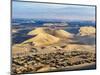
x,y
52,11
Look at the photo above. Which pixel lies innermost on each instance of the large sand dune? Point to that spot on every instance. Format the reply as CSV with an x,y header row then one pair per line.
x,y
87,30
47,36
50,37
36,31
43,39
63,34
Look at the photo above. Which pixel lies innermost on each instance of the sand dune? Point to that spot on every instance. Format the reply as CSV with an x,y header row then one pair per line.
x,y
87,30
77,47
36,31
50,37
47,36
43,39
63,34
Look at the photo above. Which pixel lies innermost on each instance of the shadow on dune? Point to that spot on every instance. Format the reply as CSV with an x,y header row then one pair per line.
x,y
84,40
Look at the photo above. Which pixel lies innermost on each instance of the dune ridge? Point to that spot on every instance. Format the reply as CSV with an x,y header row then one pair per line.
x,y
87,30
46,36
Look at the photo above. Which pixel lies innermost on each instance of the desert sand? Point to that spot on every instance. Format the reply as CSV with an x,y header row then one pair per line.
x,y
53,50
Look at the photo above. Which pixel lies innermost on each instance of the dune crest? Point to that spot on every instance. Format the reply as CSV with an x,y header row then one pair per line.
x,y
63,34
36,31
42,39
46,36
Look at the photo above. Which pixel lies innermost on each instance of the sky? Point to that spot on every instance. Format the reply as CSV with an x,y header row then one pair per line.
x,y
33,10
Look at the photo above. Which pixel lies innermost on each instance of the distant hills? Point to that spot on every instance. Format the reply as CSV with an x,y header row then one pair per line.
x,y
41,22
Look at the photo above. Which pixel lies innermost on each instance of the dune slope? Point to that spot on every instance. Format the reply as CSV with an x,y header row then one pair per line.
x,y
42,39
